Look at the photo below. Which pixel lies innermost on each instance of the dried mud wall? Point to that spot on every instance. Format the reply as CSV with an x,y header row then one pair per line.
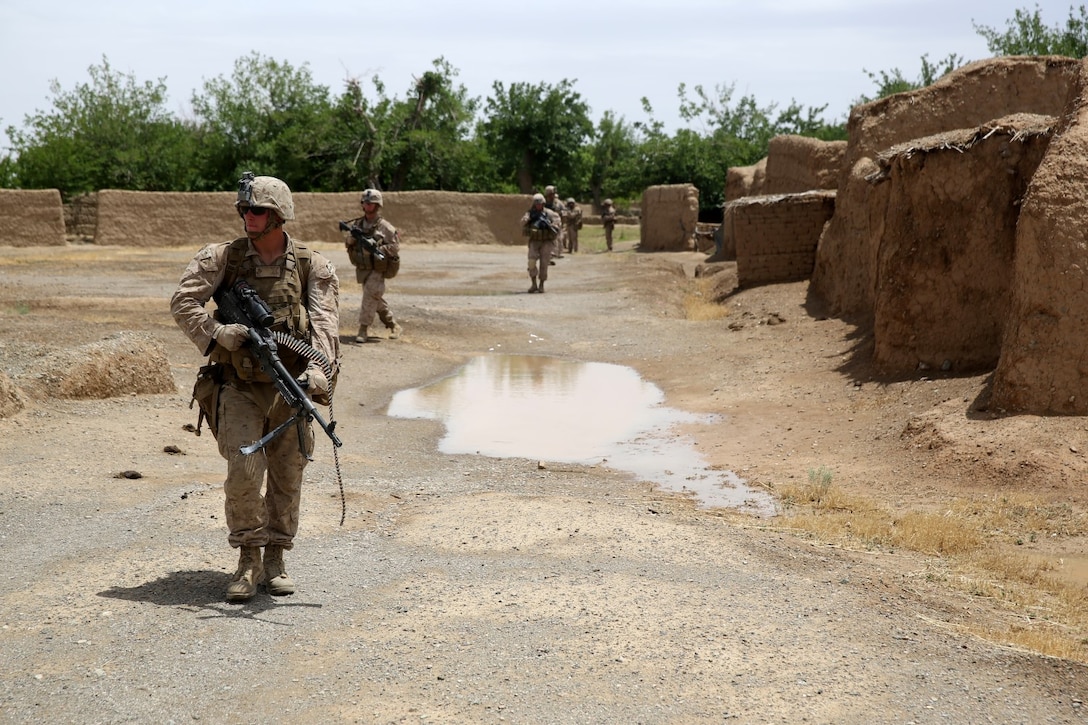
x,y
427,217
844,275
796,164
670,214
1044,357
776,236
31,218
741,181
147,218
946,243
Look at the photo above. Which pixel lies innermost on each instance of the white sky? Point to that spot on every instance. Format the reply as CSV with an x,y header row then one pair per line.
x,y
813,51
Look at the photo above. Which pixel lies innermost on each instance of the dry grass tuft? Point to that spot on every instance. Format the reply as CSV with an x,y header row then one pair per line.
x,y
973,542
699,304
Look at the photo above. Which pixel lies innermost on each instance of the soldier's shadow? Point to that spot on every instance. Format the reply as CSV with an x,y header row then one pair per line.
x,y
200,590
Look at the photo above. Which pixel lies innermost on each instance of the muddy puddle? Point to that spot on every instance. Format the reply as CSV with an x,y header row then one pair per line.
x,y
554,410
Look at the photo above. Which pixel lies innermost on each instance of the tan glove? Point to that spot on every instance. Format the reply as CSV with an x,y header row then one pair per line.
x,y
316,385
231,337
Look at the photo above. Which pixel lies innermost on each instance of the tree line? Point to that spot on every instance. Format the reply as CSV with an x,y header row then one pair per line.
x,y
115,132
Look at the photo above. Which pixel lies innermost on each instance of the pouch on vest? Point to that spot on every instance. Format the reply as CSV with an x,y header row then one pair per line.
x,y
209,381
392,266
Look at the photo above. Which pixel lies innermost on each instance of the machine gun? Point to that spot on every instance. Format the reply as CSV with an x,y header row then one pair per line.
x,y
240,304
362,240
539,220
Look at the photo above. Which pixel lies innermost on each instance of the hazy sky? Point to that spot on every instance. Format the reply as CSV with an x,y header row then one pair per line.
x,y
815,52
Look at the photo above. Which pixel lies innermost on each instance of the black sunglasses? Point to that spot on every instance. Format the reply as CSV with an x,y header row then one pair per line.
x,y
254,210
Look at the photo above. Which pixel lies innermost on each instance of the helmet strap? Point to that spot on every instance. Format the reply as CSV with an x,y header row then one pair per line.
x,y
274,222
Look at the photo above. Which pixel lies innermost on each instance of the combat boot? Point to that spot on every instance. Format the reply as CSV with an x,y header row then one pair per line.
x,y
363,336
391,325
541,288
249,573
534,288
275,573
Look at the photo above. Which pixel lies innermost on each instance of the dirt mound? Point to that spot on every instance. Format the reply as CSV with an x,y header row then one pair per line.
x,y
122,364
11,399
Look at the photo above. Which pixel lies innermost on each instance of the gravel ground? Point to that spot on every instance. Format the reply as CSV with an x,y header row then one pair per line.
x,y
461,588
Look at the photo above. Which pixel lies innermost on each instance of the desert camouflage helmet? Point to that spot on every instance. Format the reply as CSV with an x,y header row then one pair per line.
x,y
371,196
538,198
606,202
266,192
570,201
549,189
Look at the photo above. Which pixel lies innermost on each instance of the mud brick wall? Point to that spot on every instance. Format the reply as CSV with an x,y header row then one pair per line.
x,y
31,218
669,216
148,218
776,236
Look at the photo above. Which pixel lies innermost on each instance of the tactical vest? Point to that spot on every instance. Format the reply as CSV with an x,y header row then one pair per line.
x,y
541,235
363,260
283,288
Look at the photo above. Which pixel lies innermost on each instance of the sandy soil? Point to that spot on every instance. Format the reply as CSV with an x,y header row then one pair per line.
x,y
463,588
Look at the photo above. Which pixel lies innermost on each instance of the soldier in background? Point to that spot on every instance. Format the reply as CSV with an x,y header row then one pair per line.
x,y
551,201
542,226
608,219
370,271
240,401
573,222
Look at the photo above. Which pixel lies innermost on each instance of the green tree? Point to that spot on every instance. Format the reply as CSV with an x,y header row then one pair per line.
x,y
534,134
112,132
419,142
268,117
730,134
1025,34
429,134
613,159
891,82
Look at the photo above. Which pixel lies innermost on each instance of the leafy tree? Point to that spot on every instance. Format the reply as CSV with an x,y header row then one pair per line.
x,y
109,133
1025,34
429,136
420,142
733,134
268,117
891,82
613,159
534,133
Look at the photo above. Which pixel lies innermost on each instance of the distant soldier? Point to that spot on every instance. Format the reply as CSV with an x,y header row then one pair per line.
x,y
372,270
542,226
608,219
573,222
551,201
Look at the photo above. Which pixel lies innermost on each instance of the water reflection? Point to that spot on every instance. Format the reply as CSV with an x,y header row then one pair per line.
x,y
550,409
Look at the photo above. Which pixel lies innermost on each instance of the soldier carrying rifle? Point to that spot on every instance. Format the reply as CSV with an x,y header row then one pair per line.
x,y
242,393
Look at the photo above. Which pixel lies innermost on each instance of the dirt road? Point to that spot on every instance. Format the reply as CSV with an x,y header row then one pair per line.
x,y
468,589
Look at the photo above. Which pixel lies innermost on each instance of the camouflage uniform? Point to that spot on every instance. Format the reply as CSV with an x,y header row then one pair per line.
x,y
608,219
541,240
573,223
301,288
370,272
551,201
249,405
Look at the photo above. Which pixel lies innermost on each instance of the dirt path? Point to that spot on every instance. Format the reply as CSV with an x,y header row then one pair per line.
x,y
470,589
